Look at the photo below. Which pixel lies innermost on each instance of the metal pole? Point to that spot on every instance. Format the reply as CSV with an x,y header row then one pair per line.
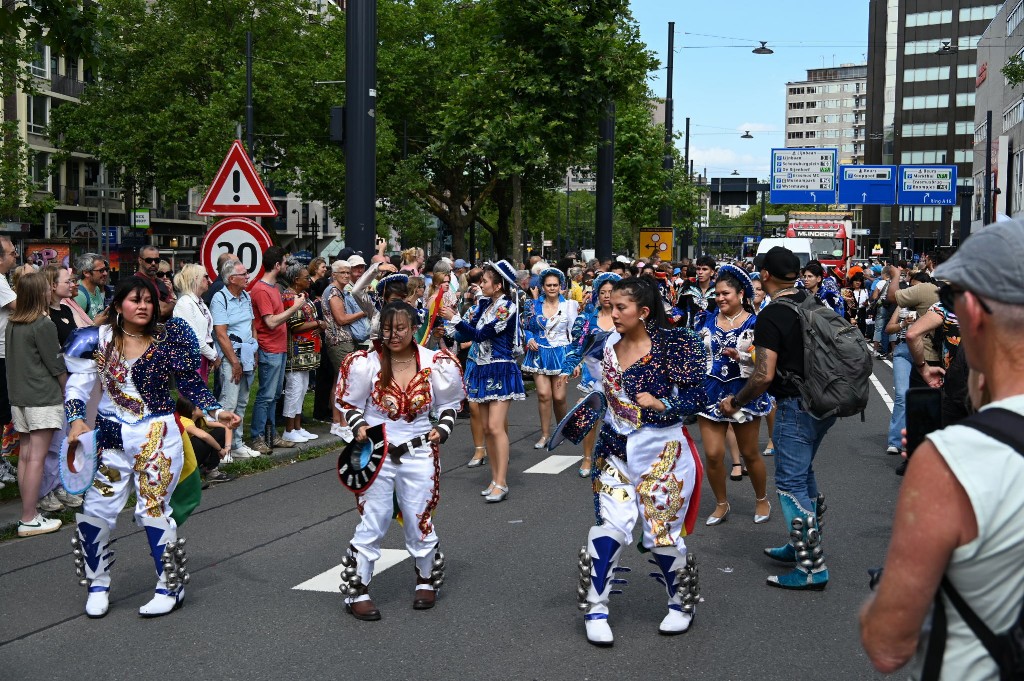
x,y
605,176
988,169
361,126
249,132
686,148
665,213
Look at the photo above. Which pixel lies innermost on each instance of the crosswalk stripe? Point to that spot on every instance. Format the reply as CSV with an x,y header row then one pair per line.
x,y
885,361
882,391
554,464
330,580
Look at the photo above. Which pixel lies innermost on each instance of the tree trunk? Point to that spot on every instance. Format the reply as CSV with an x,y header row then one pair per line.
x,y
517,219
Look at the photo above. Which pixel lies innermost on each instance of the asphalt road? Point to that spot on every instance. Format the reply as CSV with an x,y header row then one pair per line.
x,y
507,609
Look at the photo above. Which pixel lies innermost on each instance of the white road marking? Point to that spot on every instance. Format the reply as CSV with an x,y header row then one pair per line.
x,y
330,581
554,464
882,391
886,361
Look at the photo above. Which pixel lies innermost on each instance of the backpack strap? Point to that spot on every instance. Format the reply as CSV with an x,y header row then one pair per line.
x,y
1007,427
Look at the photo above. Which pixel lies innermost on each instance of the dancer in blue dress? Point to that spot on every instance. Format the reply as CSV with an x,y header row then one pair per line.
x,y
583,358
493,379
647,466
728,334
547,340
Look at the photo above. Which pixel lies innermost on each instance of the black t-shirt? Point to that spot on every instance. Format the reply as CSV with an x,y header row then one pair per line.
x,y
64,319
778,328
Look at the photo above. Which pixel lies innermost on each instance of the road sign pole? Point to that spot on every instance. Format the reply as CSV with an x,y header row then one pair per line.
x,y
361,125
605,177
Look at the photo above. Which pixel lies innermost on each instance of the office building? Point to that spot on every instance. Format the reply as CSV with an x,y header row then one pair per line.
x,y
1003,39
922,65
828,110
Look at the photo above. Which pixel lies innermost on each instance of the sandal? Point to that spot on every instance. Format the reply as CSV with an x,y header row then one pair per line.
x,y
585,472
769,451
740,476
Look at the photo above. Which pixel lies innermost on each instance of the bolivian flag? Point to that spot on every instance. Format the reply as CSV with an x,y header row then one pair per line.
x,y
190,486
433,307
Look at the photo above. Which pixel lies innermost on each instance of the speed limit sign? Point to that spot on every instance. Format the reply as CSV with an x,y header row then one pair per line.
x,y
243,238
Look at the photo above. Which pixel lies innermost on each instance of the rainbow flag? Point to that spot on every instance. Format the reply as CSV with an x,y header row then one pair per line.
x,y
433,307
189,491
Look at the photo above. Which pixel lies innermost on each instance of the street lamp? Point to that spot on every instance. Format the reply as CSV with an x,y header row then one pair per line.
x,y
947,48
763,49
746,135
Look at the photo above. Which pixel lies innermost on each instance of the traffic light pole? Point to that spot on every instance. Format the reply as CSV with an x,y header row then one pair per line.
x,y
361,125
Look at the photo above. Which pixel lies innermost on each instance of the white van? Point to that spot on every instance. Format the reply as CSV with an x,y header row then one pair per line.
x,y
800,246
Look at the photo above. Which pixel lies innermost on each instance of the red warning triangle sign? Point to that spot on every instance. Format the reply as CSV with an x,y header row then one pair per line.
x,y
237,189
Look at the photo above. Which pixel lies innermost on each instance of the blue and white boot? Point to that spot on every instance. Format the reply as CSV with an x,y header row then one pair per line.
x,y
93,558
810,573
598,562
168,553
680,579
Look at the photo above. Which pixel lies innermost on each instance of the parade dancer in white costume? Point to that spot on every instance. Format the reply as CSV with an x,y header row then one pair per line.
x,y
138,439
400,384
647,465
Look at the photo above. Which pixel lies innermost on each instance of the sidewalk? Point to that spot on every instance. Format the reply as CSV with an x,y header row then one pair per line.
x,y
10,511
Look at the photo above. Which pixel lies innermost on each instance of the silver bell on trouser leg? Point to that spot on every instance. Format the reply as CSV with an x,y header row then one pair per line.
x,y
168,551
680,577
810,572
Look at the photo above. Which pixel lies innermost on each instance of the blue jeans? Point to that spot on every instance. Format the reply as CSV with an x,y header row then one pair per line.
x,y
271,385
881,319
902,365
796,437
234,397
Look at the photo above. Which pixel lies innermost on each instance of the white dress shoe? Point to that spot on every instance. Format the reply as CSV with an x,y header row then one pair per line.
x,y
598,631
675,622
162,603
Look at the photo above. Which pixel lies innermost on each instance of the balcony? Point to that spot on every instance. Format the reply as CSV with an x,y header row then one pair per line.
x,y
69,195
65,85
177,211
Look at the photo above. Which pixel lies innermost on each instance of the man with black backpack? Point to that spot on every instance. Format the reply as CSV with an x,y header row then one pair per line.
x,y
816,365
957,537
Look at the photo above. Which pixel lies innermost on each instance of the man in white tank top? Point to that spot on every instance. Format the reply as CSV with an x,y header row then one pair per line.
x,y
959,509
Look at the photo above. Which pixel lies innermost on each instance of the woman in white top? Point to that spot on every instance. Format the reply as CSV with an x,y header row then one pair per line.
x,y
191,283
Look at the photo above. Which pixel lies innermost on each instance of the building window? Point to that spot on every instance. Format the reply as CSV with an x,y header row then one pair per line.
x,y
832,88
811,119
39,60
967,71
796,105
850,87
849,118
38,113
963,156
795,120
919,75
979,13
1014,17
831,103
969,42
831,118
810,134
1013,115
924,46
38,167
847,149
964,128
928,102
925,129
1017,190
980,133
965,99
811,105
831,134
918,157
930,18
848,132
795,135
796,90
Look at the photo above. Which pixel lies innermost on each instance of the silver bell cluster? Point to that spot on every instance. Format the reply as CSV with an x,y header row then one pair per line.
x,y
174,561
688,584
584,585
820,509
808,552
350,584
79,554
437,571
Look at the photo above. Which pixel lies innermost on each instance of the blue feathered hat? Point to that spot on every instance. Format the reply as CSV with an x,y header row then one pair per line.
x,y
600,281
547,272
382,284
507,272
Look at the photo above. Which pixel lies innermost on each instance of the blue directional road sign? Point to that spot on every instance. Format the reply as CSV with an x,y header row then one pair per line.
x,y
867,185
803,176
927,186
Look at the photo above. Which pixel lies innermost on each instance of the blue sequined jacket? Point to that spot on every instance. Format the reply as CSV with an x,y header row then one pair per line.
x,y
494,330
135,391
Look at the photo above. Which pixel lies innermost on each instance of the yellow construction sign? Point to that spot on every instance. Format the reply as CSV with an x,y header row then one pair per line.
x,y
656,241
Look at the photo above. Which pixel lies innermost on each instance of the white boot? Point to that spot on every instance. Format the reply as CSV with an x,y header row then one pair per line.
x,y
169,557
679,575
93,557
598,561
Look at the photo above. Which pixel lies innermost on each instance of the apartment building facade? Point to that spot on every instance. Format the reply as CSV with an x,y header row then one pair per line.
x,y
828,109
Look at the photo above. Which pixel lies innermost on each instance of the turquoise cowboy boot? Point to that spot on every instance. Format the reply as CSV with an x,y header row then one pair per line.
x,y
810,572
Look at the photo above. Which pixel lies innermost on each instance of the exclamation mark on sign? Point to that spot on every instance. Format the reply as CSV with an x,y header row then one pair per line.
x,y
236,184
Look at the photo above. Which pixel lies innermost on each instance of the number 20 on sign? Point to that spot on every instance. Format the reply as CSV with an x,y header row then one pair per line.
x,y
243,238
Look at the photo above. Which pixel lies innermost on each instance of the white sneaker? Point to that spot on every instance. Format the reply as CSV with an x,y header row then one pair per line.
x,y
228,458
38,525
294,436
98,602
50,503
253,454
308,435
8,473
336,429
163,603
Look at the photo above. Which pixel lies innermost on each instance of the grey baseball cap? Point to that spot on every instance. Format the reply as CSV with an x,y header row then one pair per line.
x,y
990,263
